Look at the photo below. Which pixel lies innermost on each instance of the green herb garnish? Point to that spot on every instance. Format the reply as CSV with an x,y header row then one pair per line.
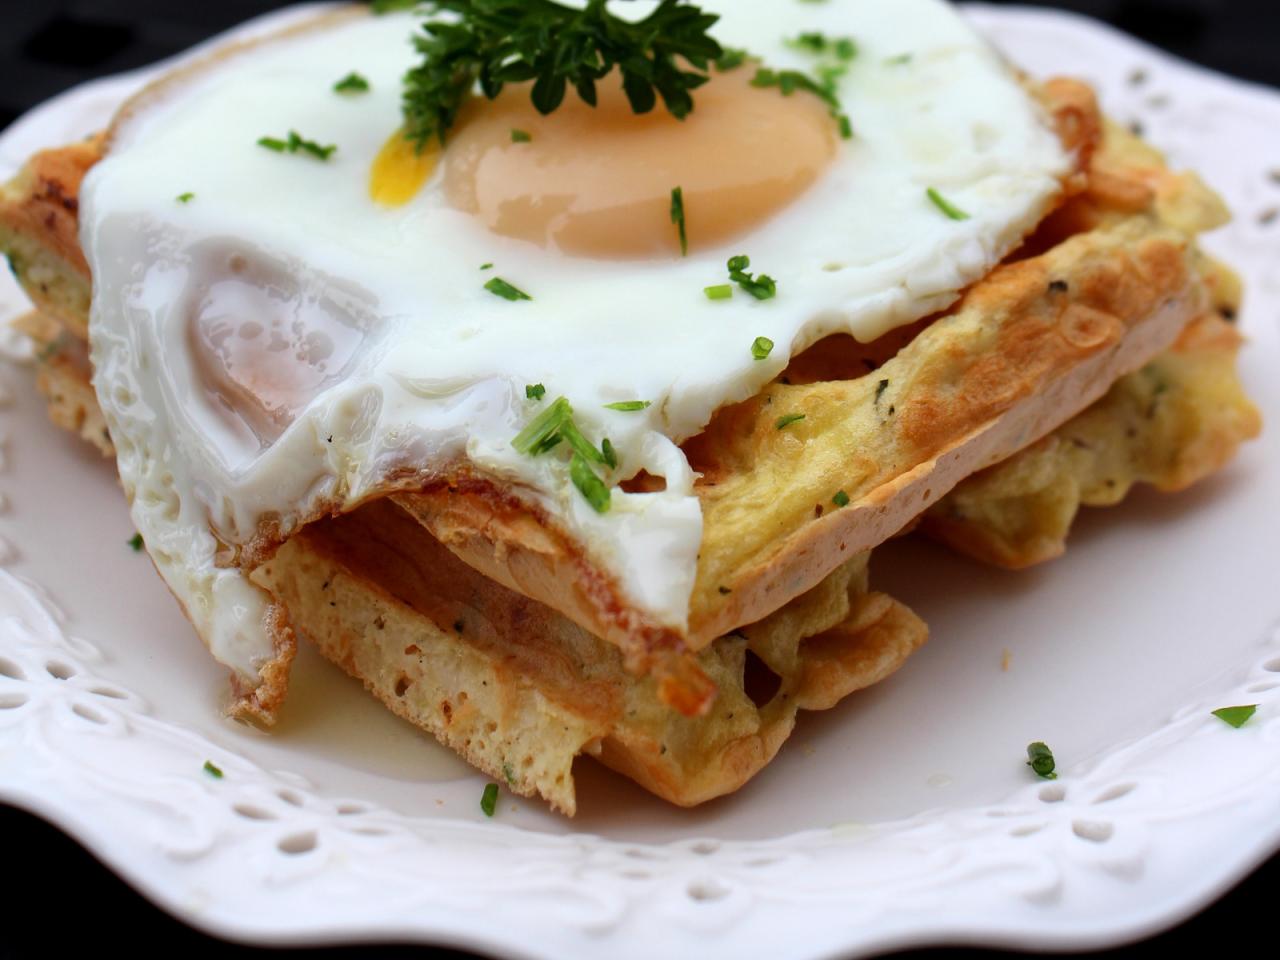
x,y
677,217
761,287
135,543
489,799
1040,759
535,391
721,291
521,136
841,499
555,425
486,266
787,420
211,770
588,484
543,431
296,143
352,83
1236,716
495,42
819,44
761,347
610,454
899,60
185,197
837,54
629,406
509,774
946,206
390,6
731,59
500,288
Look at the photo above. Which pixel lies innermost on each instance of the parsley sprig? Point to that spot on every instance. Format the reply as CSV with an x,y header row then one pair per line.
x,y
496,42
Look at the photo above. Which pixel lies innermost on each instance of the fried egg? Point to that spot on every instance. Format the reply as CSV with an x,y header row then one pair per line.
x,y
278,333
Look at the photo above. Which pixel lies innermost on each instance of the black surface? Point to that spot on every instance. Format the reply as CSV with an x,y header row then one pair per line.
x,y
58,900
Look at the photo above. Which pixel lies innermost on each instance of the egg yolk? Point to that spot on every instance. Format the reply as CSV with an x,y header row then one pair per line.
x,y
597,182
400,169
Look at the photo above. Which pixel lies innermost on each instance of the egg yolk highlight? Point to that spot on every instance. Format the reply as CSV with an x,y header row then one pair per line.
x,y
400,169
597,182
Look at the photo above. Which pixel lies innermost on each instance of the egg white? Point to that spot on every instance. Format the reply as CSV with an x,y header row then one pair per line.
x,y
425,366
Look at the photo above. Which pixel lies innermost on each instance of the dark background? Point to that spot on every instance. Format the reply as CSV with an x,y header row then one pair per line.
x,y
59,899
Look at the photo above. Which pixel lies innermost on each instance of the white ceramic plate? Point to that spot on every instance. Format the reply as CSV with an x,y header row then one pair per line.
x,y
906,816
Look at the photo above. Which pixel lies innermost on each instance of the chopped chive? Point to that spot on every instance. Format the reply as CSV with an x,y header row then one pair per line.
x,y
946,206
1040,759
722,291
537,436
352,83
629,406
677,217
185,197
486,266
521,136
610,454
588,484
135,542
500,288
841,499
489,799
296,143
1236,716
535,391
509,774
761,347
762,287
212,771
788,419
580,444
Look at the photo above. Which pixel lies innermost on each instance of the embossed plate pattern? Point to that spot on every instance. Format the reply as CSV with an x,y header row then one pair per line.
x,y
904,817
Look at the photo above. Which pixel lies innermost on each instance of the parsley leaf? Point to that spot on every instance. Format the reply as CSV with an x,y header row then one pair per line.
x,y
495,42
352,83
500,288
841,499
1236,716
296,143
135,543
185,197
489,799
